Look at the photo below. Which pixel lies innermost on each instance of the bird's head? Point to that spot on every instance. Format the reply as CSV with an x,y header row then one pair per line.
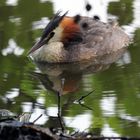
x,y
59,29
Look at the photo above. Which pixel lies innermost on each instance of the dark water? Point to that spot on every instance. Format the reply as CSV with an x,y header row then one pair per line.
x,y
113,109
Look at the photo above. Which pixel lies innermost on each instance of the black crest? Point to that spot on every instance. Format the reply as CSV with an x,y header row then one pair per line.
x,y
52,24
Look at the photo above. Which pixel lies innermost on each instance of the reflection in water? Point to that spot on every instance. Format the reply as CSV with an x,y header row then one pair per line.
x,y
66,79
116,99
12,49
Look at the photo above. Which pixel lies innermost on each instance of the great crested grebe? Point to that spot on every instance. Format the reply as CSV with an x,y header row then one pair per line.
x,y
73,39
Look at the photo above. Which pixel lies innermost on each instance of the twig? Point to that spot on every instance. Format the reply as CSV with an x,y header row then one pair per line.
x,y
81,98
25,117
59,103
85,106
37,118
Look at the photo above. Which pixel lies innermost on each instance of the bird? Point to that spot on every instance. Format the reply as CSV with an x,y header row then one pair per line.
x,y
68,39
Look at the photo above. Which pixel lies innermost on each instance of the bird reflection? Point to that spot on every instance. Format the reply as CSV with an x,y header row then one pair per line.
x,y
66,78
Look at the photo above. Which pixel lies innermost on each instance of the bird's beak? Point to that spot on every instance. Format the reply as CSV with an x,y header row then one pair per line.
x,y
36,46
49,28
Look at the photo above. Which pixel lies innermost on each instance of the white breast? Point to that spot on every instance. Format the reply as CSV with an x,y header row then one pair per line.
x,y
52,52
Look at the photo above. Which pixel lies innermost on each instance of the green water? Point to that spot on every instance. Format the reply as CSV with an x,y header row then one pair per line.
x,y
113,107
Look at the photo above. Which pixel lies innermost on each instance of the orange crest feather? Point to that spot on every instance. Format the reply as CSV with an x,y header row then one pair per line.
x,y
71,29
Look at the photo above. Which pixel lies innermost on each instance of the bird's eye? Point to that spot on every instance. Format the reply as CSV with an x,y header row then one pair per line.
x,y
52,34
49,37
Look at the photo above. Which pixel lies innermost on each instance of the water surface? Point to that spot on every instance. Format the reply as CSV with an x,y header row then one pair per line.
x,y
113,107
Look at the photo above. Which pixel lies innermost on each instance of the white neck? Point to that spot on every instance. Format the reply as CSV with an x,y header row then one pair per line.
x,y
52,52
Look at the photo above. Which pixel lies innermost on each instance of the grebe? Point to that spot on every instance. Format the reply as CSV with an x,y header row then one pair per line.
x,y
75,39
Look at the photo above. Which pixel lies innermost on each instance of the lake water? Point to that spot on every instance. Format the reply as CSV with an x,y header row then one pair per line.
x,y
112,109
